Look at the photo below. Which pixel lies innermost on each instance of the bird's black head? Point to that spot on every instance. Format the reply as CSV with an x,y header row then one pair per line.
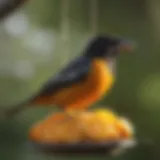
x,y
106,47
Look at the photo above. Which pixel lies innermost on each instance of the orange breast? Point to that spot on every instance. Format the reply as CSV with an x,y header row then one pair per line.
x,y
84,94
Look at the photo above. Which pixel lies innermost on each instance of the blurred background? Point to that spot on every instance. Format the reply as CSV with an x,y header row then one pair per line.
x,y
41,37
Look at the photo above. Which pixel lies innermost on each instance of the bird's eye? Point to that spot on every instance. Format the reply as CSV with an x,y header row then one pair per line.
x,y
113,51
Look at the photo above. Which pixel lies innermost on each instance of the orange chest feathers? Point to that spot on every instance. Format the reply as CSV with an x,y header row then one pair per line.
x,y
100,78
85,93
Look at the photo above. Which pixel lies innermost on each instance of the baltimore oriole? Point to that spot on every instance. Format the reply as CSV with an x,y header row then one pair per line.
x,y
84,80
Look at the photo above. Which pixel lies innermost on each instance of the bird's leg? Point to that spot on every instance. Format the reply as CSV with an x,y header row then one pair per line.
x,y
73,112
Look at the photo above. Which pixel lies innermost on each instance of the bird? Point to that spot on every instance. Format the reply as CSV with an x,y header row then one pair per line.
x,y
84,80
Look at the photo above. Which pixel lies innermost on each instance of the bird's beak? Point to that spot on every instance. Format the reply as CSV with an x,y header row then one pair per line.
x,y
126,46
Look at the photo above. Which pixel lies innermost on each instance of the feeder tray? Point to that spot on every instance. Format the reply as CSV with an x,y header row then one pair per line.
x,y
106,148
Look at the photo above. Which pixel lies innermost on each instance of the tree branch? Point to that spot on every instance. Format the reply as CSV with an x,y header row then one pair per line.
x,y
8,6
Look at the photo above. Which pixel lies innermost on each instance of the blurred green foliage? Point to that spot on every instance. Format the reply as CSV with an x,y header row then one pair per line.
x,y
43,38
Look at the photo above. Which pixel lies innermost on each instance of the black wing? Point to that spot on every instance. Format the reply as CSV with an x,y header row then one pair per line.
x,y
71,74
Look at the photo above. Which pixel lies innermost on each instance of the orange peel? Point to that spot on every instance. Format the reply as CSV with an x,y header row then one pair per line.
x,y
93,126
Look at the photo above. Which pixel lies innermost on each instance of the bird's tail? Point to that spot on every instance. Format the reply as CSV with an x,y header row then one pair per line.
x,y
14,110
